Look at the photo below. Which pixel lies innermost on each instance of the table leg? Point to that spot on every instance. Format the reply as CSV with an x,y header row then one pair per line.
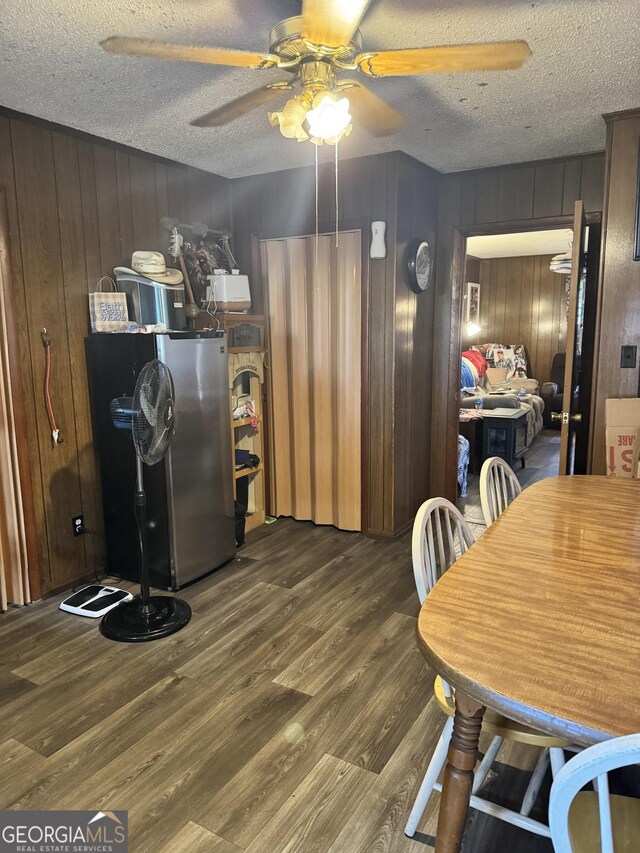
x,y
458,774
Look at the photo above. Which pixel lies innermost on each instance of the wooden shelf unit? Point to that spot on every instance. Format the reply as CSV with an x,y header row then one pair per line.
x,y
246,376
242,422
248,472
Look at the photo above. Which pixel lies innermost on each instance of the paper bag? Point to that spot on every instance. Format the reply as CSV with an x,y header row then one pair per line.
x,y
108,311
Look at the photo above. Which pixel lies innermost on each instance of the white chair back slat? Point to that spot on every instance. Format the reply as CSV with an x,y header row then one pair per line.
x,y
504,503
430,566
499,486
604,805
590,765
463,544
448,523
493,493
441,555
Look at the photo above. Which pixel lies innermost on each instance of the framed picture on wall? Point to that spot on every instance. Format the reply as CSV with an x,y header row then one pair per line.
x,y
636,250
472,300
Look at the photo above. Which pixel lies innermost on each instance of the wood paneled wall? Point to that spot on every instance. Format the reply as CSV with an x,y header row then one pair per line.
x,y
417,214
402,192
78,207
619,312
524,194
522,301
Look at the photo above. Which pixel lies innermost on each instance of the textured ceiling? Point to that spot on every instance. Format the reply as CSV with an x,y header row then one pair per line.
x,y
585,63
520,245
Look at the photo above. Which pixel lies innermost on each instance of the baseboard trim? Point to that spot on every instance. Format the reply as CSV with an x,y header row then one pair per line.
x,y
387,534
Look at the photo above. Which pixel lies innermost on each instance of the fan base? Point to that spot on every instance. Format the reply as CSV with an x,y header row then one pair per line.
x,y
127,623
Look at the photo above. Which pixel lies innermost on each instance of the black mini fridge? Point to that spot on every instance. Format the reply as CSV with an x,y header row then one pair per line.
x,y
190,514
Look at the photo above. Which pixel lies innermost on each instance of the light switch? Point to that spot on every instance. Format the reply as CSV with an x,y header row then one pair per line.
x,y
628,356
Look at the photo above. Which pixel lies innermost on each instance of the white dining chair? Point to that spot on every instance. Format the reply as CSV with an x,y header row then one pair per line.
x,y
498,487
440,537
595,821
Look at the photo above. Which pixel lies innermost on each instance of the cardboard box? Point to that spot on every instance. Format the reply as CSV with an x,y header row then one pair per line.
x,y
622,423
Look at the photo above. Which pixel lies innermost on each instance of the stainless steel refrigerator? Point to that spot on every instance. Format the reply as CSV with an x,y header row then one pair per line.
x,y
191,528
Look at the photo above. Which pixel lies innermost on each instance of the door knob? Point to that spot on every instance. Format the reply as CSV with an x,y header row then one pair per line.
x,y
565,417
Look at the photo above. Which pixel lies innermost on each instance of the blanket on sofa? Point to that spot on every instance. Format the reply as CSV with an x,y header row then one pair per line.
x,y
512,357
467,379
477,359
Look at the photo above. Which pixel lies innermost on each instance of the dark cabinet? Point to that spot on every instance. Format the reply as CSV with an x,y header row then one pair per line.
x,y
504,434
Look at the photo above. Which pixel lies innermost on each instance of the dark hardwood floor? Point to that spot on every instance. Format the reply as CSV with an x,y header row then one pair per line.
x,y
294,712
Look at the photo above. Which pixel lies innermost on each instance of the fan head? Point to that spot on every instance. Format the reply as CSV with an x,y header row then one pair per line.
x,y
153,412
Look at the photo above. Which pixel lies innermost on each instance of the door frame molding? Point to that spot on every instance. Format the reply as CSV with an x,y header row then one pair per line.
x,y
257,276
19,405
458,269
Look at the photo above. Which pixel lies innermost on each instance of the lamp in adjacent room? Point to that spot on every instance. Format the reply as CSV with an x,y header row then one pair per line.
x,y
473,329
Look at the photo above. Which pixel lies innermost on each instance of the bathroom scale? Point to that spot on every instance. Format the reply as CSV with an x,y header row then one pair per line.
x,y
95,600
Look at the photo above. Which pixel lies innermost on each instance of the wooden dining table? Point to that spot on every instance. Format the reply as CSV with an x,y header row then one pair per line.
x,y
540,621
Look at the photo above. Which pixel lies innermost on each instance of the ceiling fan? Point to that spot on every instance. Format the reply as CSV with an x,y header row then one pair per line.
x,y
317,48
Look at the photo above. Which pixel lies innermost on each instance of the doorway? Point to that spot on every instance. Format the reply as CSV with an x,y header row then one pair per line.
x,y
314,312
516,299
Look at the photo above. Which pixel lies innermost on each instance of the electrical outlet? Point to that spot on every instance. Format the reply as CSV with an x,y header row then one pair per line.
x,y
78,525
628,356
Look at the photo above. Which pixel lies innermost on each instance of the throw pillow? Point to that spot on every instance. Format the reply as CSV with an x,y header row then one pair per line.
x,y
497,375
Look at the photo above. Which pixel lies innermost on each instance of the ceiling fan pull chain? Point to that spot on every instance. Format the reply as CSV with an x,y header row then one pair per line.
x,y
316,245
336,162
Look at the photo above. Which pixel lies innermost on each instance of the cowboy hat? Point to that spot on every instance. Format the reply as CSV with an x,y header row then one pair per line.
x,y
151,265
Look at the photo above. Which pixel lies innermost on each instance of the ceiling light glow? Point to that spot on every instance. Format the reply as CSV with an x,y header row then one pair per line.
x,y
329,119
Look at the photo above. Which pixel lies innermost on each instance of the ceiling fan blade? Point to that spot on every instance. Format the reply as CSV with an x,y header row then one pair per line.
x,y
242,105
370,111
494,56
331,22
188,53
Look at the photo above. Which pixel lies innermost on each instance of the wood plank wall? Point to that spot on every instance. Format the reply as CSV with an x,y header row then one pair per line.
x,y
78,207
417,214
520,193
620,274
522,301
402,192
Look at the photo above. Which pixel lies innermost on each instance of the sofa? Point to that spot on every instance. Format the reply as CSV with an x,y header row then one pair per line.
x,y
499,381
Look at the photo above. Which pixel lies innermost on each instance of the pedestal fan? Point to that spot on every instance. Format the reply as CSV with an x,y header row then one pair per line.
x,y
148,416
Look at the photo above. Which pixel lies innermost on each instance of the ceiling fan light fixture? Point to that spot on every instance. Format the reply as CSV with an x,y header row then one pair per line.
x,y
329,119
291,118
